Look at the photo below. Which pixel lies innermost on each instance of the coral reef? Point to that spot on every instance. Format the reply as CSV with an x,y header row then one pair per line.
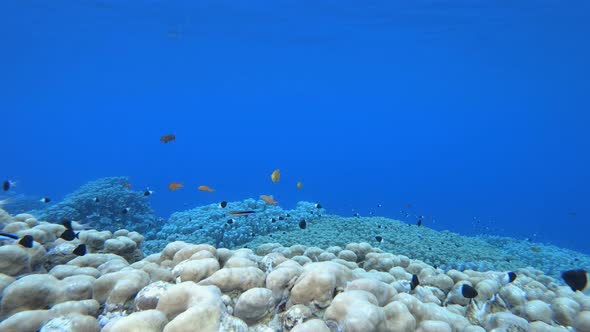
x,y
52,253
100,203
210,223
442,249
201,287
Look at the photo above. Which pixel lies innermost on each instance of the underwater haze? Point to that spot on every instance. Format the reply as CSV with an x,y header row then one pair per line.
x,y
474,113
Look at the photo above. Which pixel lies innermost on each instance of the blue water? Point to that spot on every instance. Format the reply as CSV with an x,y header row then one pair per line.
x,y
463,109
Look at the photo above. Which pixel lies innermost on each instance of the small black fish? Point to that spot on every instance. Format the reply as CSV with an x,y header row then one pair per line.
x,y
468,292
415,282
303,224
576,279
96,199
419,223
80,250
379,239
510,276
6,185
223,204
125,210
281,218
272,220
288,215
230,221
379,226
356,214
9,235
318,206
69,235
26,241
45,200
67,223
148,192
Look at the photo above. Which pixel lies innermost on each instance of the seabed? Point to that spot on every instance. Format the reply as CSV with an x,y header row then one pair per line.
x,y
197,272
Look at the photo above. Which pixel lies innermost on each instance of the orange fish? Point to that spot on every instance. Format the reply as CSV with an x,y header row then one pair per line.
x,y
127,185
299,185
167,138
206,189
268,199
275,176
175,185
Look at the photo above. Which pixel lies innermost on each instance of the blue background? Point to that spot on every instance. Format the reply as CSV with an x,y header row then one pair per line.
x,y
463,109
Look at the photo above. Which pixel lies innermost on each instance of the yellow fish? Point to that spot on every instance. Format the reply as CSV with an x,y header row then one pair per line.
x,y
299,185
275,176
206,189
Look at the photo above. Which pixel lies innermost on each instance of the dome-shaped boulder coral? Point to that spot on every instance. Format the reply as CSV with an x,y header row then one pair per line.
x,y
319,282
83,307
26,321
240,260
101,262
282,278
383,292
236,278
155,271
582,321
565,310
14,260
195,269
360,249
40,291
72,322
64,271
124,247
189,250
356,310
506,320
95,240
5,280
312,325
347,255
398,318
434,326
142,321
149,296
117,289
187,305
254,304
